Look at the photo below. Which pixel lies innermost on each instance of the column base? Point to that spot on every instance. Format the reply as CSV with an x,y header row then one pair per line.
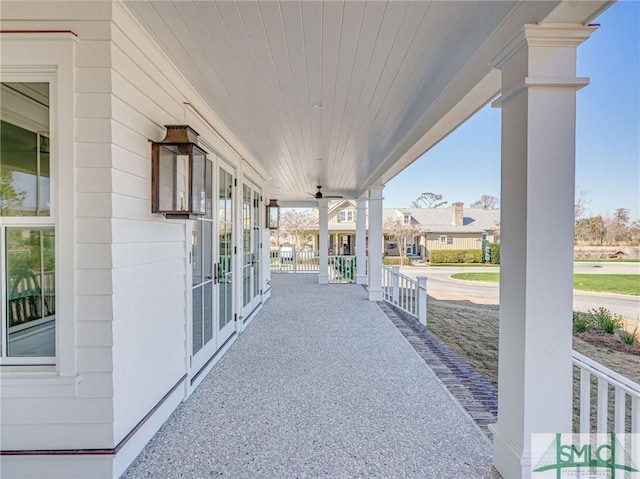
x,y
323,279
362,279
509,458
376,295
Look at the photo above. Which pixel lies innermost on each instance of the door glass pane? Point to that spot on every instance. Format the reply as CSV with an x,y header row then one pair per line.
x,y
207,316
31,293
225,247
207,249
196,252
24,149
197,319
246,245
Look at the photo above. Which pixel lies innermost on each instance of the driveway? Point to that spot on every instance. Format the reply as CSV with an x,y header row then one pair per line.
x,y
440,286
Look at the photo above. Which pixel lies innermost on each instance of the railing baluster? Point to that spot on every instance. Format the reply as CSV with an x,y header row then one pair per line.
x,y
620,411
603,406
635,417
585,401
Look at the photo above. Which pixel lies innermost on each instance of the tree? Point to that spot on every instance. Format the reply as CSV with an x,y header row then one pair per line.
x,y
402,232
487,202
429,200
580,206
621,216
10,199
297,225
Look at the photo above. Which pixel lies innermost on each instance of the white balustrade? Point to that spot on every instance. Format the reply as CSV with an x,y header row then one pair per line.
x,y
622,415
408,294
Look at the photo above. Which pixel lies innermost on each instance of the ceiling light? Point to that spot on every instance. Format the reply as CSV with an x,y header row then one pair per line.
x,y
318,105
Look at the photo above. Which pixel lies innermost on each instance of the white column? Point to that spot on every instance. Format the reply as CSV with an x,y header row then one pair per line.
x,y
375,243
536,288
323,246
361,241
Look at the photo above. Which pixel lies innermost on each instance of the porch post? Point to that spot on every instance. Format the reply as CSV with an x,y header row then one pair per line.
x,y
361,241
375,243
323,246
536,273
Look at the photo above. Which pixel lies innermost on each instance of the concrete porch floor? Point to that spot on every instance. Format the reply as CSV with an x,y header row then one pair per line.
x,y
321,384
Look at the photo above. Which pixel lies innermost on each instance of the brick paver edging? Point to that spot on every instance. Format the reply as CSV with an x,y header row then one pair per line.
x,y
472,390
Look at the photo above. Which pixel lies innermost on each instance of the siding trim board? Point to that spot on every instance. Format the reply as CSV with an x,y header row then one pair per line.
x,y
98,452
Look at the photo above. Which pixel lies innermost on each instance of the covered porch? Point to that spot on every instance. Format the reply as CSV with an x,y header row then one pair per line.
x,y
322,384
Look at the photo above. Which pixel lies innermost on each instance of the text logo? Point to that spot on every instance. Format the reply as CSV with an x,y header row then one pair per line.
x,y
606,456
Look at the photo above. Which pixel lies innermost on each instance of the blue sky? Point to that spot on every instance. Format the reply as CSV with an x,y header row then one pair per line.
x,y
466,164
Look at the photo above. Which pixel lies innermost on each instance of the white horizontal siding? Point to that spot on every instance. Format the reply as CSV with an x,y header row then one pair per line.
x,y
55,436
95,385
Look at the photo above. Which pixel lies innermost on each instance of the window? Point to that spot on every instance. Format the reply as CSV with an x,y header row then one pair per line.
x,y
407,219
347,216
27,226
445,239
485,236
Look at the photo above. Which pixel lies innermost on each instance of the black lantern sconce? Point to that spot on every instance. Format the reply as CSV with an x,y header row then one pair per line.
x,y
178,172
273,215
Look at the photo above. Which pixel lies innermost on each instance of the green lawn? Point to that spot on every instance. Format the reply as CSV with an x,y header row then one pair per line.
x,y
604,283
607,260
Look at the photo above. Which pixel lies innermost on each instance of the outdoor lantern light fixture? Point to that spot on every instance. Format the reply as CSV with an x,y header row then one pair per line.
x,y
273,215
178,172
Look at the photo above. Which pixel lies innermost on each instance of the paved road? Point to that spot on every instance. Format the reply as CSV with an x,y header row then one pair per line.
x,y
441,286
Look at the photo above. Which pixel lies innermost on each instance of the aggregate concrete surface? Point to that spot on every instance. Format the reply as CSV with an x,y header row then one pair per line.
x,y
321,384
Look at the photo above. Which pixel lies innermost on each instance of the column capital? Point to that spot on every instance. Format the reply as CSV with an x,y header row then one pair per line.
x,y
543,35
375,192
323,203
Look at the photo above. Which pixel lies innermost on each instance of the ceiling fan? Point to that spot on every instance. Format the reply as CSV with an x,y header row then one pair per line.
x,y
318,195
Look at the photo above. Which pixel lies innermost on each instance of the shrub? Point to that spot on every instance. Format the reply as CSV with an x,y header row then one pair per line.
x,y
583,322
455,256
394,261
494,253
606,320
629,337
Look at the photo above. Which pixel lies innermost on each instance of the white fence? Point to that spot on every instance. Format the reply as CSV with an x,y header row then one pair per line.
x,y
410,295
288,260
341,269
608,401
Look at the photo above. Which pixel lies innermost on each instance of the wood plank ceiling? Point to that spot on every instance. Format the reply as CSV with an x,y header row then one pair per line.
x,y
325,92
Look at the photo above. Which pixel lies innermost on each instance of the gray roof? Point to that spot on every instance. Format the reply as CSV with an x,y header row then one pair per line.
x,y
440,220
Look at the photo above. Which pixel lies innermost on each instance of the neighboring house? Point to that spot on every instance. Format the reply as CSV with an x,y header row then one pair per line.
x,y
440,228
456,228
445,228
342,228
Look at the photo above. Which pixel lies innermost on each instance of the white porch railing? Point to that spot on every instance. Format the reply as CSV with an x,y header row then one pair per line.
x,y
607,401
614,405
408,294
341,269
291,261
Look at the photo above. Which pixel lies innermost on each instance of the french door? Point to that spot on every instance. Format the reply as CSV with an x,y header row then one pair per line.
x,y
251,257
212,267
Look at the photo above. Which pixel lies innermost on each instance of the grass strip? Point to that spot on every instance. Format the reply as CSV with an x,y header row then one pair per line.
x,y
603,283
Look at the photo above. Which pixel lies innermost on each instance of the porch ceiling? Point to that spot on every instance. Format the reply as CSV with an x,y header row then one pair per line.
x,y
393,78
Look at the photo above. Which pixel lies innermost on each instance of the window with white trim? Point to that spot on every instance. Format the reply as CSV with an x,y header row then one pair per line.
x,y
27,224
407,219
347,216
446,239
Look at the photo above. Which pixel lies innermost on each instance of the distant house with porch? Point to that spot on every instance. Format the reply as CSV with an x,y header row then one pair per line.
x,y
445,228
438,228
